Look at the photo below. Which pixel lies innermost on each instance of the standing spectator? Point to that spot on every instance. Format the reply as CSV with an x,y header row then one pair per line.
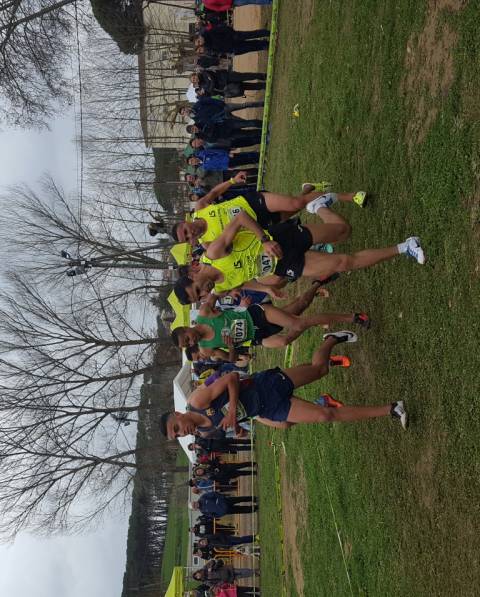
x,y
209,109
216,571
226,445
224,541
224,5
226,83
217,505
223,39
247,140
212,160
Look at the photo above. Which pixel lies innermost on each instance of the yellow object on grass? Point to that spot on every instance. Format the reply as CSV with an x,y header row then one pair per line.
x,y
175,588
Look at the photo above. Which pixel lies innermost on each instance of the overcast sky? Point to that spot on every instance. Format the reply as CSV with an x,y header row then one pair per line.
x,y
89,565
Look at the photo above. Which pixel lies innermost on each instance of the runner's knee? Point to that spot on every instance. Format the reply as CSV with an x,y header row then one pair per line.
x,y
325,415
345,230
344,263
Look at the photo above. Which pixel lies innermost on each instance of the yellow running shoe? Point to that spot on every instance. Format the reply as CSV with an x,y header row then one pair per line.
x,y
319,187
360,198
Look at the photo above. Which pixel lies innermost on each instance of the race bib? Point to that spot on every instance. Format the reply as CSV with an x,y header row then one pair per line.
x,y
241,412
265,264
234,211
239,330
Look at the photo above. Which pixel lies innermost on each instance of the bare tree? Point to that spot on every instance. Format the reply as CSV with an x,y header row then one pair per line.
x,y
34,41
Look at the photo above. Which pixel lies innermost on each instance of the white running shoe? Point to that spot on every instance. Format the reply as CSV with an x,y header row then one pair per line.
x,y
342,336
398,412
414,249
325,200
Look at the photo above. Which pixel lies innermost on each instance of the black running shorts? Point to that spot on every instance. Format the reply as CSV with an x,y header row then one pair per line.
x,y
295,241
263,328
256,201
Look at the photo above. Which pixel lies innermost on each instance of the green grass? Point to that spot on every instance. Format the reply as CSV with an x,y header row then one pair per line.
x,y
176,541
373,116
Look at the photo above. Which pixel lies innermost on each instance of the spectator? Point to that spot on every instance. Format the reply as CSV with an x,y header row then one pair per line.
x,y
223,39
220,160
217,505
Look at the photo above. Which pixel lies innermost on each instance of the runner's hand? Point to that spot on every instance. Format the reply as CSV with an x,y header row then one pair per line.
x,y
227,339
229,421
241,177
272,248
246,301
274,293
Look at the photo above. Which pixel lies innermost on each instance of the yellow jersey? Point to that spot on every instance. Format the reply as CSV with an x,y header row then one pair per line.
x,y
246,262
217,216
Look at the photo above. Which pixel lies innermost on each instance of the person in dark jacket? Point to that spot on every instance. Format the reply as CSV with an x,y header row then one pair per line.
x,y
209,109
224,541
231,128
216,571
226,83
224,5
223,472
223,39
217,505
234,142
226,445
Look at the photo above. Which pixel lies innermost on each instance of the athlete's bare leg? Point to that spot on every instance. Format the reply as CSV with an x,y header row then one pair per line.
x,y
302,411
322,265
302,302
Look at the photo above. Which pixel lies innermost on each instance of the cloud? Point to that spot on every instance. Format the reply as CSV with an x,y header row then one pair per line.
x,y
72,566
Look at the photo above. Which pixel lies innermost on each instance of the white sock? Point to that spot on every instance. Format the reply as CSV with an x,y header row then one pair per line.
x,y
402,247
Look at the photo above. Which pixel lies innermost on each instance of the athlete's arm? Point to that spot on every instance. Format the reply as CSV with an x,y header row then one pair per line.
x,y
221,245
277,424
202,397
218,190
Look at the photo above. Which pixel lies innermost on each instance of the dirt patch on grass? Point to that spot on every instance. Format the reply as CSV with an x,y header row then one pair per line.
x,y
429,68
293,507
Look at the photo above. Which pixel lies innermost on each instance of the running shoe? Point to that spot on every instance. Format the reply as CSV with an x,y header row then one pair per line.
x,y
414,249
322,248
360,198
329,401
362,319
326,200
342,336
339,361
398,411
320,187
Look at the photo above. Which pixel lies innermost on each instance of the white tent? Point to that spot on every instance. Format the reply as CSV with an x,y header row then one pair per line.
x,y
191,94
182,385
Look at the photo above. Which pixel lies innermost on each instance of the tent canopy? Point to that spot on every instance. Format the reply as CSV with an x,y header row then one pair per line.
x,y
181,392
175,588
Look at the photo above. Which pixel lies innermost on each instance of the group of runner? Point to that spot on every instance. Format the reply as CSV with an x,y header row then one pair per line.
x,y
254,242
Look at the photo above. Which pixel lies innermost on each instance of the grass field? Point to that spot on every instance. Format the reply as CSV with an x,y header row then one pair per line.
x,y
390,103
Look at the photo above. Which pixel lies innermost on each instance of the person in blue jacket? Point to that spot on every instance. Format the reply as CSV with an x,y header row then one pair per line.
x,y
217,505
212,160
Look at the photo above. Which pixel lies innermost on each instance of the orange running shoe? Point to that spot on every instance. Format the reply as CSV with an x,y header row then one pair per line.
x,y
339,361
328,400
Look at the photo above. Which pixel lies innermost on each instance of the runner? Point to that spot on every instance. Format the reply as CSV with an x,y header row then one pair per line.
x,y
266,208
268,396
259,324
